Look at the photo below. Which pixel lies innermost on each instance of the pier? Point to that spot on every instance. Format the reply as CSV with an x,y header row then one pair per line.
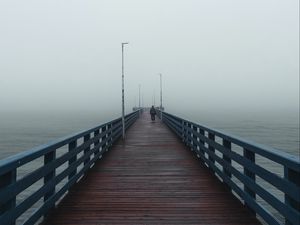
x,y
171,171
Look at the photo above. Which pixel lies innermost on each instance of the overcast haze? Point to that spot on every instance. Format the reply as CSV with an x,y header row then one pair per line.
x,y
215,55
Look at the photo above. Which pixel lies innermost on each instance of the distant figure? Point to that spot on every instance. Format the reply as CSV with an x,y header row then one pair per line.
x,y
152,113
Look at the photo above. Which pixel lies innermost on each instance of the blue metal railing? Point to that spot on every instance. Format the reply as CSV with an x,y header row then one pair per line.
x,y
233,160
82,151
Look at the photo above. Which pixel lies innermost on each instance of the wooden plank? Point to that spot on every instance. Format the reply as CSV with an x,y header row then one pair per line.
x,y
152,178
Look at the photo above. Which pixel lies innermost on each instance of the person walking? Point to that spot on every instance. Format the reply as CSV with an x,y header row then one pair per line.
x,y
152,113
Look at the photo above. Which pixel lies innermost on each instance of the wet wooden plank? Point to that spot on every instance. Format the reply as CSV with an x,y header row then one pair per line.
x,y
152,178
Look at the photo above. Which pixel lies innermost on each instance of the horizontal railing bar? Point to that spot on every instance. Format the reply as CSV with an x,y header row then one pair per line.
x,y
287,211
176,122
268,152
250,201
173,116
130,122
48,204
170,120
36,152
129,117
20,159
279,182
117,123
102,138
36,175
117,126
22,207
117,131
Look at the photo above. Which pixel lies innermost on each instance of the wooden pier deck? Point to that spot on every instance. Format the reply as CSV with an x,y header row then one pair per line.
x,y
152,178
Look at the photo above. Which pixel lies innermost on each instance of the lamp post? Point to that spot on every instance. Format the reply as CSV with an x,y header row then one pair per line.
x,y
154,98
161,96
123,105
139,96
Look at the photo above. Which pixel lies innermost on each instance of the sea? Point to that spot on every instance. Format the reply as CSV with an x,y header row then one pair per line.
x,y
20,131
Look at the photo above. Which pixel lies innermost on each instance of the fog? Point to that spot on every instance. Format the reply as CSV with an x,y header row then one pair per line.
x,y
215,56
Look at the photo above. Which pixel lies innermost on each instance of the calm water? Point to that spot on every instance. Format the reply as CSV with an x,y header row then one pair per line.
x,y
280,131
19,132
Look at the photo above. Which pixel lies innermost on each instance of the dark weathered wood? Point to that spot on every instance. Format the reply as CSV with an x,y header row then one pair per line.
x,y
152,178
97,132
211,148
250,156
227,145
294,177
48,158
87,149
72,146
6,180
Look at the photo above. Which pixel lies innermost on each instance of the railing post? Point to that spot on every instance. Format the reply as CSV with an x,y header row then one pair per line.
x,y
189,135
104,139
195,144
96,133
202,133
211,148
6,180
250,156
48,158
72,147
109,135
294,177
182,131
227,145
87,149
185,132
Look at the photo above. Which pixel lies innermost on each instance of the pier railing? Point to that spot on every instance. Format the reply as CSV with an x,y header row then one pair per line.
x,y
62,164
241,165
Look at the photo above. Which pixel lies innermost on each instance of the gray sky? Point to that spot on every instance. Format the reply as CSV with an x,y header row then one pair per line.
x,y
215,55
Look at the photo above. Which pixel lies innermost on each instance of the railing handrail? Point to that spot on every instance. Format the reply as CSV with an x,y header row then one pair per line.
x,y
202,140
74,160
20,158
275,154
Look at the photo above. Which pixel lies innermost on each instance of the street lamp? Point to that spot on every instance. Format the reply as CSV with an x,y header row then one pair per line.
x,y
123,105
